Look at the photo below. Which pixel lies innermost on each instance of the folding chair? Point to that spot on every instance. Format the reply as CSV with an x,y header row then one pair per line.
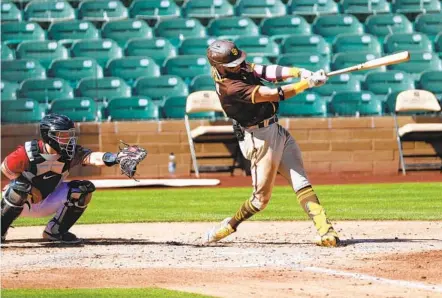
x,y
427,129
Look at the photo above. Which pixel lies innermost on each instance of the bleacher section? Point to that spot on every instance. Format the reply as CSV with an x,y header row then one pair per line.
x,y
97,60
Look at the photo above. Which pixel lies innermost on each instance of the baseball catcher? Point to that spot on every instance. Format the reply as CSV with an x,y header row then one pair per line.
x,y
37,171
268,146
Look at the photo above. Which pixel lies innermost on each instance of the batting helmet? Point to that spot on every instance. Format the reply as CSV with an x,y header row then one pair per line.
x,y
225,53
59,132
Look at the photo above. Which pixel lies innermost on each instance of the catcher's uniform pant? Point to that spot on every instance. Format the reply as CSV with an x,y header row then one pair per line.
x,y
271,149
50,205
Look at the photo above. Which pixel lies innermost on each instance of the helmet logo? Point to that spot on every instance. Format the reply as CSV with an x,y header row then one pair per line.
x,y
234,51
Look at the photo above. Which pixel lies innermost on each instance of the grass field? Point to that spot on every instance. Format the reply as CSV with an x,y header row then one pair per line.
x,y
410,201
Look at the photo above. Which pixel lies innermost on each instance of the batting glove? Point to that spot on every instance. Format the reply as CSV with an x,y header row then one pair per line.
x,y
317,79
304,74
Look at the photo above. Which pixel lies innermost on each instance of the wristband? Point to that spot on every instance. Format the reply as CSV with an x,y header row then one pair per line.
x,y
110,159
295,72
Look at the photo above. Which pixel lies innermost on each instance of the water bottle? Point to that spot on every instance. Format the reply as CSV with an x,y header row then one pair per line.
x,y
172,164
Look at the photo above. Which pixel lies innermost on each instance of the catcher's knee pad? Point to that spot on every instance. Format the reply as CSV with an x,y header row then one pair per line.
x,y
80,192
17,193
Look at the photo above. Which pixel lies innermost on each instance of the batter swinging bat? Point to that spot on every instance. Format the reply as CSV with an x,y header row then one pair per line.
x,y
387,60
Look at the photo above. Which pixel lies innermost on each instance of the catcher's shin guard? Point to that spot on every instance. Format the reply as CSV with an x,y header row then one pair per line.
x,y
78,197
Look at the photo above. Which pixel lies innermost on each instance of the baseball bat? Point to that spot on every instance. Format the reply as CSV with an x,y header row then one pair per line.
x,y
383,61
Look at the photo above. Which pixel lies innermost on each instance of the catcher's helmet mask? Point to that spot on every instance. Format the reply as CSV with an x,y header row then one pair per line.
x,y
59,132
225,54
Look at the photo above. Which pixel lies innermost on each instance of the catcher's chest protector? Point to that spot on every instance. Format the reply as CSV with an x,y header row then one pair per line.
x,y
44,172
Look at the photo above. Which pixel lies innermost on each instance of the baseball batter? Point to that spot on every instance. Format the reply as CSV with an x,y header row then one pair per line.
x,y
268,146
37,171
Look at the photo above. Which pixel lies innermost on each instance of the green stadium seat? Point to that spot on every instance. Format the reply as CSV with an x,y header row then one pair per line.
x,y
187,66
418,63
123,30
258,46
49,11
20,70
44,51
195,45
306,44
102,50
177,29
103,89
356,104
280,27
131,68
9,90
385,24
207,9
416,6
407,42
232,27
307,60
330,26
341,83
364,8
102,11
258,60
161,87
21,111
260,8
157,48
432,81
6,52
73,30
383,83
75,69
78,109
16,32
10,12
313,7
132,108
153,9
305,104
438,45
343,60
202,83
45,90
357,43
429,23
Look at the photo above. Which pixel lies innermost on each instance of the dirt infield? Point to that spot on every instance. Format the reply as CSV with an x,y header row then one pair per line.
x,y
263,259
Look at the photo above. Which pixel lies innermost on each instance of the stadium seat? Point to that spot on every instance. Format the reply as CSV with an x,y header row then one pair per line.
x,y
16,32
45,90
341,83
312,8
207,9
132,108
202,83
142,9
429,23
356,104
75,69
343,60
20,70
357,43
438,45
383,83
330,26
81,109
10,12
416,6
123,30
432,81
9,90
178,29
307,60
258,59
258,46
6,52
232,27
418,63
305,104
103,89
174,107
407,42
260,8
49,11
161,87
159,49
305,44
44,51
102,11
131,68
364,8
195,45
280,27
21,111
187,66
385,24
73,30
102,50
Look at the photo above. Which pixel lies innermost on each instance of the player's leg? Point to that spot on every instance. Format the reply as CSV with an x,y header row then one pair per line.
x,y
49,205
292,168
78,197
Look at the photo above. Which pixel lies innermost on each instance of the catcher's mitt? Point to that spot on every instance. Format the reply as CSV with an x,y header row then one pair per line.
x,y
129,157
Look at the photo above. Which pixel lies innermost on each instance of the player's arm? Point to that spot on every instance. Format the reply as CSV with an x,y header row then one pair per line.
x,y
15,163
100,159
278,73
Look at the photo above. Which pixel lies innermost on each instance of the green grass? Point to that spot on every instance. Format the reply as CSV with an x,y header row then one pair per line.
x,y
95,293
410,201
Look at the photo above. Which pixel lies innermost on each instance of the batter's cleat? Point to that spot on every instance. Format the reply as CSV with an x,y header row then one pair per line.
x,y
219,232
329,239
66,238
